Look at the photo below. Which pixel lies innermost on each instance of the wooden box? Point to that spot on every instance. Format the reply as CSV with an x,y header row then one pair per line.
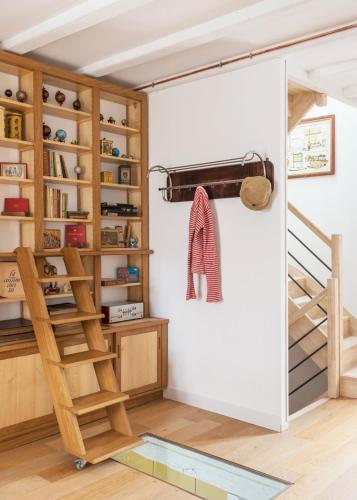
x,y
10,281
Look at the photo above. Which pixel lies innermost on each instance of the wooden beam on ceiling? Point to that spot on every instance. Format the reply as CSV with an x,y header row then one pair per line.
x,y
70,21
299,104
186,38
332,70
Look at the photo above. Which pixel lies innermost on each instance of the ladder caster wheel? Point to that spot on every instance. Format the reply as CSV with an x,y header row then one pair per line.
x,y
80,463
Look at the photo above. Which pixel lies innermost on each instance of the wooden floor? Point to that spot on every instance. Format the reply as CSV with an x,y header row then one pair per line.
x,y
318,454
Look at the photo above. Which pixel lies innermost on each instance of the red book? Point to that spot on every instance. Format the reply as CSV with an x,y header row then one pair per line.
x,y
75,235
16,205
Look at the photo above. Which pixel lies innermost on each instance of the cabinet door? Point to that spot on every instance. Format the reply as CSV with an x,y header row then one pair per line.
x,y
23,390
82,380
139,363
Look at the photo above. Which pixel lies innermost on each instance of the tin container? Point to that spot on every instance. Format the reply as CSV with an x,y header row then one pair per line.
x,y
14,125
2,122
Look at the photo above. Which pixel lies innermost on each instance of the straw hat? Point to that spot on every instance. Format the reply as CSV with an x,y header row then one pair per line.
x,y
255,192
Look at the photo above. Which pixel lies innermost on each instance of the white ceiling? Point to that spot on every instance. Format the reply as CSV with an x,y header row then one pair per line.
x,y
139,41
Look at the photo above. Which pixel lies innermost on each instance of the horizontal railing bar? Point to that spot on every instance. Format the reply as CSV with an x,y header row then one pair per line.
x,y
308,357
309,249
310,225
307,381
306,270
307,333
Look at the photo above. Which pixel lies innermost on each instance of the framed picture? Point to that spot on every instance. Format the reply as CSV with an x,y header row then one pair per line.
x,y
13,170
51,239
106,146
124,174
311,148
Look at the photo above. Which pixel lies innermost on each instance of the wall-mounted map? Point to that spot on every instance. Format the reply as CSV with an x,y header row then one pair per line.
x,y
311,149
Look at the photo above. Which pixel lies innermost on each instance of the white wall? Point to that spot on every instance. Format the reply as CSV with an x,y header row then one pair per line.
x,y
228,357
330,201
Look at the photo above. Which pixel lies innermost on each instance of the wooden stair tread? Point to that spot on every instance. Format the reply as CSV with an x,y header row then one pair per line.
x,y
63,278
107,445
62,319
96,401
83,357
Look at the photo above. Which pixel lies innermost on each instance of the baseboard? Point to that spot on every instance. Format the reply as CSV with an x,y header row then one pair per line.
x,y
267,420
308,408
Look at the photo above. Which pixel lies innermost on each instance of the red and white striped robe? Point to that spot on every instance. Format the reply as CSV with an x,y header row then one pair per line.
x,y
202,253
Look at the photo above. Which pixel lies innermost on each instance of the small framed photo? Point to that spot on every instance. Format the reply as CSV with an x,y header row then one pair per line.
x,y
13,170
106,146
51,239
124,174
110,237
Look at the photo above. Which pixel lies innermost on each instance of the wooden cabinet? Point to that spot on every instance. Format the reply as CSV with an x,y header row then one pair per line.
x,y
141,365
141,369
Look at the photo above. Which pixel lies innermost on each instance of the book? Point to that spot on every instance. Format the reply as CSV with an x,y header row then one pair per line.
x,y
56,203
52,164
63,167
52,238
77,214
64,205
12,205
58,165
10,281
46,162
75,235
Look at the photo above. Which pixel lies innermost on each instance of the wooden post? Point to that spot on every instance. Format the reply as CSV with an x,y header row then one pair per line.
x,y
336,264
334,334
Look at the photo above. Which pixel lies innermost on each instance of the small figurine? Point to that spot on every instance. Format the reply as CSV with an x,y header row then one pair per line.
x,y
45,94
8,93
51,289
115,152
124,155
46,131
21,96
77,170
49,269
77,104
60,135
74,142
125,122
60,97
111,120
133,242
101,117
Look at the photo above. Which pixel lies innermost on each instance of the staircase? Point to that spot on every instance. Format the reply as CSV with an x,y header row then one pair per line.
x,y
322,333
120,437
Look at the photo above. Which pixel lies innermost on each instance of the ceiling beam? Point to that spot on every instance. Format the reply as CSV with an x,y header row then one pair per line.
x,y
186,38
333,69
70,21
350,92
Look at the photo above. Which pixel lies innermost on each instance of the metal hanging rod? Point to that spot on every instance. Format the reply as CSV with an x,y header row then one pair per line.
x,y
167,191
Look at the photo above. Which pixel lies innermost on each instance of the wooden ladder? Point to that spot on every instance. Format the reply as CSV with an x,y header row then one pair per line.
x,y
120,437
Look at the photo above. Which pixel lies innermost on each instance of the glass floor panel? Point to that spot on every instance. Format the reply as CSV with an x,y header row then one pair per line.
x,y
198,473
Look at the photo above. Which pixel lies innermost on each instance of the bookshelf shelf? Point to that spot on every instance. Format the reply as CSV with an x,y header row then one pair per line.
x,y
68,113
118,129
64,219
4,300
16,144
65,180
12,180
120,217
64,146
11,104
124,285
123,187
15,218
117,159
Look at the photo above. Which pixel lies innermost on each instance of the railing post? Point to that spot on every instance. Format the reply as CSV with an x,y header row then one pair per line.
x,y
333,338
337,306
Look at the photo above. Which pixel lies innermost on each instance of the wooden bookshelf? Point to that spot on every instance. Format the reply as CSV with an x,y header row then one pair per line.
x,y
88,191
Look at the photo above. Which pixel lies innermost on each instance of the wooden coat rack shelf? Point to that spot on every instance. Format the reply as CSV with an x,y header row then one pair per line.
x,y
221,179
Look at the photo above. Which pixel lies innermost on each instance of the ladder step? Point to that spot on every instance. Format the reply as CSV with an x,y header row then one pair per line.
x,y
96,401
82,358
63,319
63,278
107,445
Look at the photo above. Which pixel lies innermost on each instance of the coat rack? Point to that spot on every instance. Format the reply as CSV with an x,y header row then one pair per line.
x,y
221,178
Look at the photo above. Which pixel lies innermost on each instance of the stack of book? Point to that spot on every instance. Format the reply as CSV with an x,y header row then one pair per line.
x,y
56,203
54,164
